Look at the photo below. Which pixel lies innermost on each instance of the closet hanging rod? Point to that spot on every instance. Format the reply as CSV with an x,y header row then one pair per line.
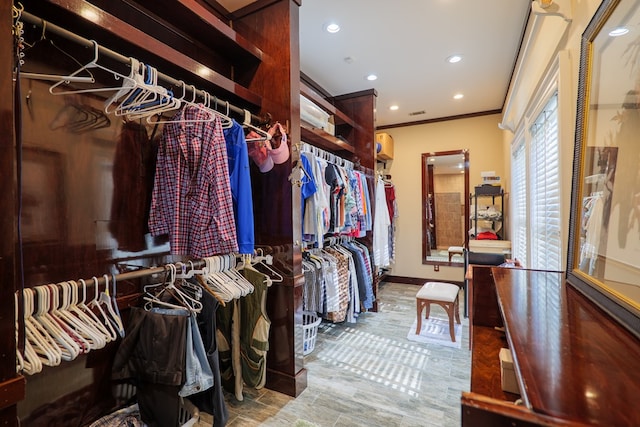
x,y
62,32
149,271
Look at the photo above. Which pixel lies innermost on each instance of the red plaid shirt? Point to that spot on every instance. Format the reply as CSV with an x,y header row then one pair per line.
x,y
191,198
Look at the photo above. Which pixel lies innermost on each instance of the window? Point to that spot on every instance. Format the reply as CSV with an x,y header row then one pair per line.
x,y
519,201
545,246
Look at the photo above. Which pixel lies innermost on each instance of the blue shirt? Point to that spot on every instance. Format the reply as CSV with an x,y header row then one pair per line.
x,y
240,177
308,187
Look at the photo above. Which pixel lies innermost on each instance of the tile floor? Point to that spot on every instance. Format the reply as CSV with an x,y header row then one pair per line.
x,y
368,374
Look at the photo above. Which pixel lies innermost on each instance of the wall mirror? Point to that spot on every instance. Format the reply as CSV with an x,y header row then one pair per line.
x,y
604,248
445,206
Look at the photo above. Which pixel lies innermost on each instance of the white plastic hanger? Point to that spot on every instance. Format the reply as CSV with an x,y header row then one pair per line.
x,y
85,313
97,303
54,77
43,345
114,315
68,348
59,301
148,98
264,135
84,328
265,261
54,89
134,79
185,301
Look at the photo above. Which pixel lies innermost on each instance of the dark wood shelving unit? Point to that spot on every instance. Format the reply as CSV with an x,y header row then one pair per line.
x,y
340,117
324,140
174,54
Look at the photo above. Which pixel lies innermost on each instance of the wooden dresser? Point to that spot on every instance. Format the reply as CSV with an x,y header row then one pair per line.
x,y
575,365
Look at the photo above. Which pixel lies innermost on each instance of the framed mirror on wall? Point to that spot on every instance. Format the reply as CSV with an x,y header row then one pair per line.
x,y
604,245
445,207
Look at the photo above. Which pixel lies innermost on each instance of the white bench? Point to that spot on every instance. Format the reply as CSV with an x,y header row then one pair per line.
x,y
455,250
443,294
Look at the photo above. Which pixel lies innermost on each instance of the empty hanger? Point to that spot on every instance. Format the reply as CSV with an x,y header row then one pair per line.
x,y
54,77
56,88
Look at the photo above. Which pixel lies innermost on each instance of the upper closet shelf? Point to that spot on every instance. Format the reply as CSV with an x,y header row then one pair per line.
x,y
324,140
319,137
340,117
157,42
190,18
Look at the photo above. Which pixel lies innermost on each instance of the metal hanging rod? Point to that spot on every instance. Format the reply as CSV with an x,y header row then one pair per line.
x,y
149,271
104,51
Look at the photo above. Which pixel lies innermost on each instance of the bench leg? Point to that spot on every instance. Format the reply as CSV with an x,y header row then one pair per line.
x,y
450,311
419,305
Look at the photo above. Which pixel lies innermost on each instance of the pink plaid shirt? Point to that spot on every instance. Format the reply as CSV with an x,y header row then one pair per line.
x,y
191,198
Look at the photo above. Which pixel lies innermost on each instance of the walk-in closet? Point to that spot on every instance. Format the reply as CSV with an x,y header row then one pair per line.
x,y
141,243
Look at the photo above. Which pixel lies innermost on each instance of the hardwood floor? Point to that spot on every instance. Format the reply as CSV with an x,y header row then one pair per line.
x,y
369,374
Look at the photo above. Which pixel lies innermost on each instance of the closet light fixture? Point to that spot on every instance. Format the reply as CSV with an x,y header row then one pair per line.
x,y
454,58
332,27
89,14
394,108
617,32
372,77
458,96
203,71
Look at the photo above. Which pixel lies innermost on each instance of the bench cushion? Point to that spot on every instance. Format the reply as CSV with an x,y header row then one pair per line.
x,y
438,291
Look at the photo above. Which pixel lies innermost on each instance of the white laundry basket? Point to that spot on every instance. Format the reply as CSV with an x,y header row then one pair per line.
x,y
188,413
310,322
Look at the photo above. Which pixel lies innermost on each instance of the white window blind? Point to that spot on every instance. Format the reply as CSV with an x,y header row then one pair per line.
x,y
519,237
544,233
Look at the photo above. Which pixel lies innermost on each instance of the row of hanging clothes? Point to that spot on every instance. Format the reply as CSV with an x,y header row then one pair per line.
x,y
200,151
224,327
384,234
335,197
196,332
338,279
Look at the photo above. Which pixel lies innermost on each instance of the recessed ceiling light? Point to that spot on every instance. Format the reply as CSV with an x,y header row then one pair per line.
x,y
617,32
454,58
372,77
393,108
458,96
332,28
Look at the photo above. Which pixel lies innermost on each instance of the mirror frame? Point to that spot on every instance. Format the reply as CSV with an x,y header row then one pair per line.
x,y
426,251
625,310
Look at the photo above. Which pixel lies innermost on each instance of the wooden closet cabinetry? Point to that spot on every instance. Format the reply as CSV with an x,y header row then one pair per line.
x,y
190,40
354,123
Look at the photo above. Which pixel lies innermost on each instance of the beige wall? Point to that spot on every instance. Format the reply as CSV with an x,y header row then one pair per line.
x,y
556,40
483,139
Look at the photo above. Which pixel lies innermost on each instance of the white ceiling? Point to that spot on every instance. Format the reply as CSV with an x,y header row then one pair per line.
x,y
406,43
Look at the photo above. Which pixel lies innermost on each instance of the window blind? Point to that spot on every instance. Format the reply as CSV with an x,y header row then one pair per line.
x,y
518,199
544,232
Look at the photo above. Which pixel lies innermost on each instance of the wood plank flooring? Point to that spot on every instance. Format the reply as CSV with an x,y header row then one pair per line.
x,y
368,374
